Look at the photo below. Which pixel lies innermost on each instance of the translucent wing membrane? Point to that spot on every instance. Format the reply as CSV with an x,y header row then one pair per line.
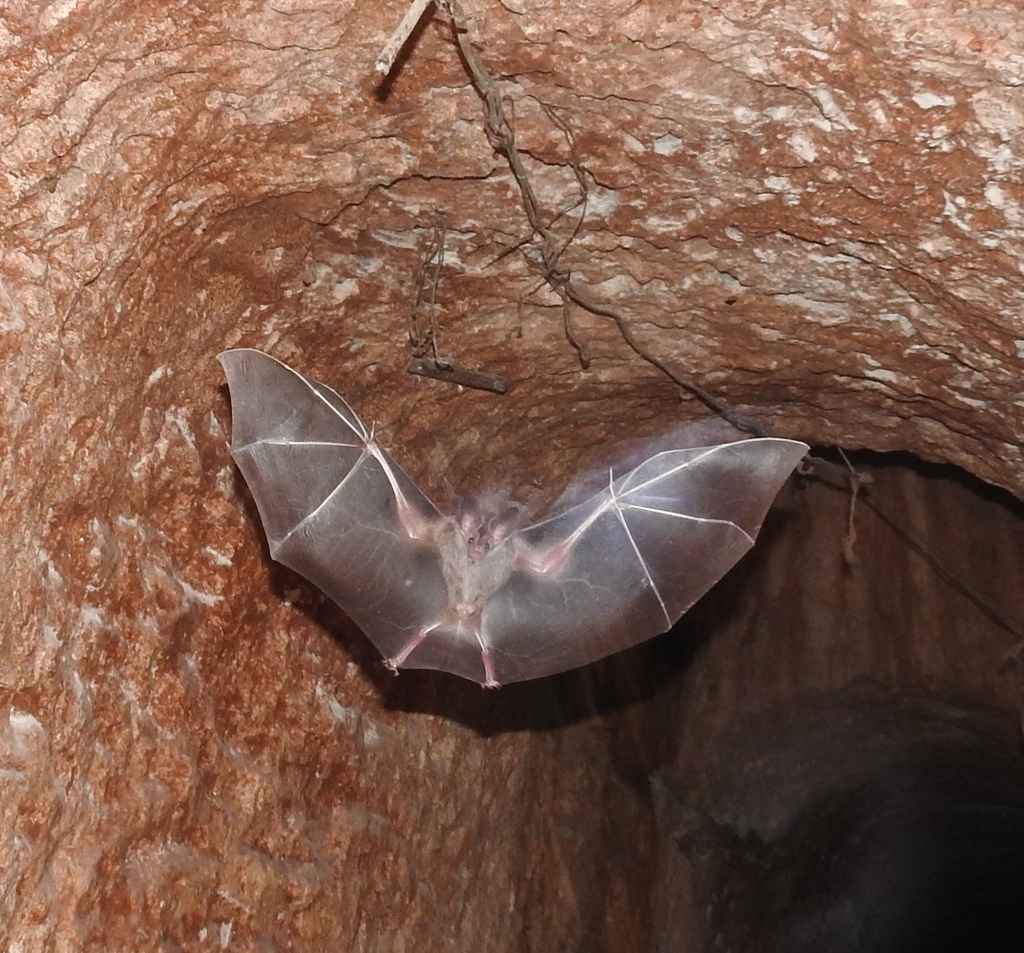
x,y
636,556
612,571
328,504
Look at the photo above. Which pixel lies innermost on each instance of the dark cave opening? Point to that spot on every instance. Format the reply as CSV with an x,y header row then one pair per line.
x,y
849,773
864,822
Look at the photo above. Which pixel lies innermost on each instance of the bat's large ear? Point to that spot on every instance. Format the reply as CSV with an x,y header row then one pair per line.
x,y
469,515
503,525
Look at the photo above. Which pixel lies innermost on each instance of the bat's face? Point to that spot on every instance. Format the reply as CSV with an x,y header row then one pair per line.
x,y
477,554
483,529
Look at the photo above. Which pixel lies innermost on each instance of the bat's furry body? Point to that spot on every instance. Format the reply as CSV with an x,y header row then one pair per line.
x,y
470,594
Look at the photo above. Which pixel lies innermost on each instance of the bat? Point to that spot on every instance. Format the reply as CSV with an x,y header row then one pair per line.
x,y
475,593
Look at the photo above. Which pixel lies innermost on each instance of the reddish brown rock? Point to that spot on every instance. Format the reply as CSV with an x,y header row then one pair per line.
x,y
814,214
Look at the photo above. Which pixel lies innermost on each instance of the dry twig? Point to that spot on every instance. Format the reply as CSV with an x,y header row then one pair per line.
x,y
394,45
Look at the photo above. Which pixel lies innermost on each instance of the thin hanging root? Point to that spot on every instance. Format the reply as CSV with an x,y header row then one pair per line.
x,y
858,485
502,138
851,527
423,338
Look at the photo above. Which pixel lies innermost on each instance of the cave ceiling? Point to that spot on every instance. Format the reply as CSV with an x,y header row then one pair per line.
x,y
814,214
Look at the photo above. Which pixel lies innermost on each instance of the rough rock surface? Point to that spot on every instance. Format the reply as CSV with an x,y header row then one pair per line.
x,y
816,214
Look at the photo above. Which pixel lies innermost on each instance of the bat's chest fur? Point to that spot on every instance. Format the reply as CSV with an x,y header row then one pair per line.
x,y
472,580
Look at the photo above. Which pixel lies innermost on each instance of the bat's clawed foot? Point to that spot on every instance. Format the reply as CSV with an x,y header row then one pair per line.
x,y
395,662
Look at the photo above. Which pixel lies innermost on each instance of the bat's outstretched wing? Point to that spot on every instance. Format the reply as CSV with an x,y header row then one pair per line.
x,y
625,564
604,575
334,505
